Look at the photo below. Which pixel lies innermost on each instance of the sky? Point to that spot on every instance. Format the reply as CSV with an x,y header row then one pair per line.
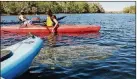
x,y
115,6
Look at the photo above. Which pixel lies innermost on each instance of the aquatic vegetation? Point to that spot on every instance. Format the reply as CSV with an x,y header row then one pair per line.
x,y
67,55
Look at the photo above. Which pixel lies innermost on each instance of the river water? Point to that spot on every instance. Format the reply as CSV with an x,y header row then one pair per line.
x,y
109,54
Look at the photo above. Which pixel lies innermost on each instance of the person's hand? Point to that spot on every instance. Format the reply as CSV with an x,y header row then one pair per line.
x,y
53,30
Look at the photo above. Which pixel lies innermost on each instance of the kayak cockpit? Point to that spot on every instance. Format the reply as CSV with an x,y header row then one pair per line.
x,y
5,54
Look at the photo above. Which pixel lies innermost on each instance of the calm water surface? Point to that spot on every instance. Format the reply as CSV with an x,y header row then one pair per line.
x,y
109,54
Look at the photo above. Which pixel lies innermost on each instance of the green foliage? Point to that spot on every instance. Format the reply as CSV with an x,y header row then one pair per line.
x,y
130,9
96,8
30,7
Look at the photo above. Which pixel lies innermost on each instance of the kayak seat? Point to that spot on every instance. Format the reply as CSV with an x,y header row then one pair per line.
x,y
5,54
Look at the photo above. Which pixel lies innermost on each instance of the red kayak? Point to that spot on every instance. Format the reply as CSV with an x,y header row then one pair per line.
x,y
43,29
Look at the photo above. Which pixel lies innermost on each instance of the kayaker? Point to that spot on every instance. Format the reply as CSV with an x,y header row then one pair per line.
x,y
23,19
52,21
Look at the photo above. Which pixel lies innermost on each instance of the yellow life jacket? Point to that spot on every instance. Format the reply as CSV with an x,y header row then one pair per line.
x,y
49,21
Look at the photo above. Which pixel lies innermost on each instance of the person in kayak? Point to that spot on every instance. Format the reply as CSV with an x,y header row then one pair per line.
x,y
23,19
52,21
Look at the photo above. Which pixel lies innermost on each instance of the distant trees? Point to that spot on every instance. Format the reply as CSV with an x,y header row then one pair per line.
x,y
130,9
39,7
30,7
96,8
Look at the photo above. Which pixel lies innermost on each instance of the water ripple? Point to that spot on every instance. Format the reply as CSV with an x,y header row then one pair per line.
x,y
108,55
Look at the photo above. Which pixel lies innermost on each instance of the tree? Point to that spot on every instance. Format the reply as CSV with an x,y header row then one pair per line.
x,y
96,8
130,9
30,7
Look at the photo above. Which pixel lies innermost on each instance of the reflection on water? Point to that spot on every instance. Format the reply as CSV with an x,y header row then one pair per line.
x,y
51,40
8,39
111,54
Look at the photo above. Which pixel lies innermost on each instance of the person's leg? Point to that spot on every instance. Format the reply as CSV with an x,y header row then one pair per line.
x,y
23,25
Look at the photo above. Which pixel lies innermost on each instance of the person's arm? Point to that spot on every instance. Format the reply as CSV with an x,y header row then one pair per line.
x,y
22,18
56,23
19,17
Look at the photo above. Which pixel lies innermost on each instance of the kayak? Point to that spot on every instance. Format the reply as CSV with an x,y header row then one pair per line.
x,y
43,29
20,57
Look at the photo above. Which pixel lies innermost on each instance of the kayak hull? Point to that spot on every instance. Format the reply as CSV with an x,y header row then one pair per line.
x,y
23,54
43,29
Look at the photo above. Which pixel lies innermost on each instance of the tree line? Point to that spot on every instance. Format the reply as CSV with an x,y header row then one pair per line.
x,y
130,9
29,7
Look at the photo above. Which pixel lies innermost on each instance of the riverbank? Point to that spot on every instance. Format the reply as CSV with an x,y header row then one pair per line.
x,y
68,13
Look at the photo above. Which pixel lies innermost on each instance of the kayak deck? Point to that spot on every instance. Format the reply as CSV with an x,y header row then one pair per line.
x,y
23,54
5,54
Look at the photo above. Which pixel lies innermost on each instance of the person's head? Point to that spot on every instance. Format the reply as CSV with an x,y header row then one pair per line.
x,y
49,12
22,13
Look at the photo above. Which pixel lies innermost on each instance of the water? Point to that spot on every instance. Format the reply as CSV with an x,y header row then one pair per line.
x,y
107,55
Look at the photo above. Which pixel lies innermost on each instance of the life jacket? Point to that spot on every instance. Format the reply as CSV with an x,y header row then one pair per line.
x,y
49,22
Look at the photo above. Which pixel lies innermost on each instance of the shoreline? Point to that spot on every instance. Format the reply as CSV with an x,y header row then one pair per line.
x,y
67,13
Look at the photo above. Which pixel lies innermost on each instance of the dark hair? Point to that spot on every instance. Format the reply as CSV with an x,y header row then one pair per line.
x,y
49,12
22,13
